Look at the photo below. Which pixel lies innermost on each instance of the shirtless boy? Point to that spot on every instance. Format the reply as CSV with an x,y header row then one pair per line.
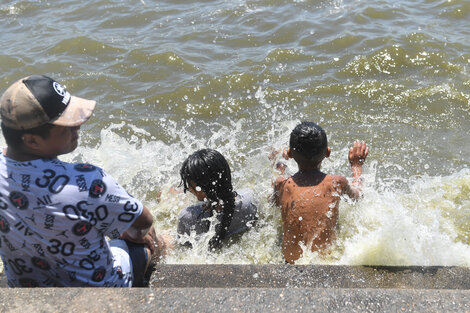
x,y
309,199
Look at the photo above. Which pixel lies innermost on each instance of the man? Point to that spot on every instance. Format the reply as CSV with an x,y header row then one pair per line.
x,y
55,216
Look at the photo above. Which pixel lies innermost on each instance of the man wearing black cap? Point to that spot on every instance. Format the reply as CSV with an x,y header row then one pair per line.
x,y
55,216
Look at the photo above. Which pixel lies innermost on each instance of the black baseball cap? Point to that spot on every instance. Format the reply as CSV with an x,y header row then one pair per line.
x,y
36,100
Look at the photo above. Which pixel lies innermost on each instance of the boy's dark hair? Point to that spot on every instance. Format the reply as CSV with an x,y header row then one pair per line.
x,y
208,169
14,137
308,140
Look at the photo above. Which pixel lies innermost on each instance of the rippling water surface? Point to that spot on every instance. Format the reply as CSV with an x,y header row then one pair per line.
x,y
171,77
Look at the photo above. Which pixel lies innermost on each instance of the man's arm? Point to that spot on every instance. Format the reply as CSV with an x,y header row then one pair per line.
x,y
357,155
141,231
141,225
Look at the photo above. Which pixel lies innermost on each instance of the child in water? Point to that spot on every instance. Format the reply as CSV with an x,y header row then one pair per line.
x,y
206,174
309,199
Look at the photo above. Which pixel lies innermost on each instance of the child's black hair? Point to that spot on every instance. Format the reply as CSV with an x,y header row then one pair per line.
x,y
309,140
209,170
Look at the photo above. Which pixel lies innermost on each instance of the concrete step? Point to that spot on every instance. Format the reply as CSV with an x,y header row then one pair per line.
x,y
263,288
310,276
233,300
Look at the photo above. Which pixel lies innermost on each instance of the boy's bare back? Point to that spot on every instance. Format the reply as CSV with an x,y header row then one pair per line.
x,y
309,202
309,209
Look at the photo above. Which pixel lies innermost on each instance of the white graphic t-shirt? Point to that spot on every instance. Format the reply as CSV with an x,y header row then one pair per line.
x,y
54,217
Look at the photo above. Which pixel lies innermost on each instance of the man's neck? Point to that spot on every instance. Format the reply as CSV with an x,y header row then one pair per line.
x,y
18,155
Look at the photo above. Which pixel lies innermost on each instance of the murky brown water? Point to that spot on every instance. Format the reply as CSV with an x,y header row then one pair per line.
x,y
171,77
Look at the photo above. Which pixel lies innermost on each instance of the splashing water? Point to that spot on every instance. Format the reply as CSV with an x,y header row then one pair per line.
x,y
426,223
237,76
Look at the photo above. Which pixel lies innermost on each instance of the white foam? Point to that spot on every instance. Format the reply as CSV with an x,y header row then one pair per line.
x,y
425,222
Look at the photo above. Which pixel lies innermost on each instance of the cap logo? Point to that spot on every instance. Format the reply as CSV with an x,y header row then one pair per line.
x,y
62,92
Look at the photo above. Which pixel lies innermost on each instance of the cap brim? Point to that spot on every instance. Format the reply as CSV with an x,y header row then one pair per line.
x,y
78,111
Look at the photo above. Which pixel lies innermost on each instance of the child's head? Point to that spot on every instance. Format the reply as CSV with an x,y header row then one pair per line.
x,y
308,144
207,170
206,174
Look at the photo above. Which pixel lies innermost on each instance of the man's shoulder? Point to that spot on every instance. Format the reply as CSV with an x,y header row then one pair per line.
x,y
88,170
85,167
59,166
51,168
75,171
85,176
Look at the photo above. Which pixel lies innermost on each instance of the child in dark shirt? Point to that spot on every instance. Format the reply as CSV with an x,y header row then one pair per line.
x,y
206,174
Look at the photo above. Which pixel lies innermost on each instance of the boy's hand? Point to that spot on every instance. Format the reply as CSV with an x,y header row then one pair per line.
x,y
273,154
281,167
285,154
358,153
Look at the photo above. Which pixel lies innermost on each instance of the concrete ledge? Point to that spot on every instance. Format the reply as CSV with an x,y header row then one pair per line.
x,y
262,288
232,300
310,276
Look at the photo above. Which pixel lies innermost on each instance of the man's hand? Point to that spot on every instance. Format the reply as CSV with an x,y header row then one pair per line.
x,y
137,237
150,240
164,243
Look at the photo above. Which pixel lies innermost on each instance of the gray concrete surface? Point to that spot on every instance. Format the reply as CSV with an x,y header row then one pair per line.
x,y
310,276
233,300
262,288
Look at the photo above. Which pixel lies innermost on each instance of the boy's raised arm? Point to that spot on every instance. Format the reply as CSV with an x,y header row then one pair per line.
x,y
281,167
357,155
277,189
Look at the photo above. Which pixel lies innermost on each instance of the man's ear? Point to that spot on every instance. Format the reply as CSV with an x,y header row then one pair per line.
x,y
328,151
31,141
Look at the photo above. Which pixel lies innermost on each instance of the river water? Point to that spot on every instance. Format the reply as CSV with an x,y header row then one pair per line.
x,y
171,77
